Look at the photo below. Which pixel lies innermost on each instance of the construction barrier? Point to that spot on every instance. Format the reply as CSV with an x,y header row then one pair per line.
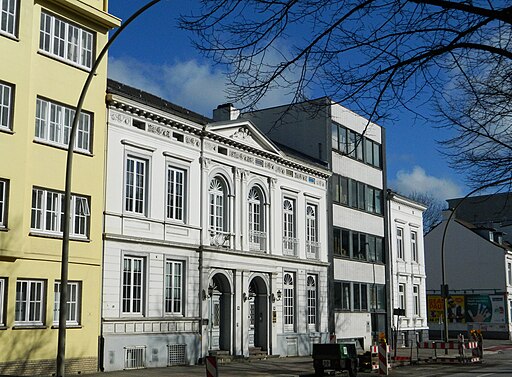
x,y
460,345
211,366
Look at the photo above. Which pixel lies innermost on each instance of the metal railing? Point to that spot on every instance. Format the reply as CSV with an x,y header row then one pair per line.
x,y
290,246
257,241
312,249
220,238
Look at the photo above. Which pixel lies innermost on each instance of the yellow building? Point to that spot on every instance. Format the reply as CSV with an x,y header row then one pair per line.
x,y
47,47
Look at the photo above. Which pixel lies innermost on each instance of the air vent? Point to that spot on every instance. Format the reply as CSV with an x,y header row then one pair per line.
x,y
222,150
178,137
139,124
176,354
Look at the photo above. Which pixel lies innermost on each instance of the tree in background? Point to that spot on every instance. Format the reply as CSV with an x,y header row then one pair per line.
x,y
433,215
376,56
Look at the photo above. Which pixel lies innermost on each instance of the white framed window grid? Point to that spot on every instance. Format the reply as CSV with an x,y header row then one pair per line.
x,y
73,303
53,125
8,17
176,180
173,287
414,246
136,181
416,299
289,301
217,193
66,41
311,287
400,243
133,285
48,213
3,293
6,105
29,308
3,203
401,296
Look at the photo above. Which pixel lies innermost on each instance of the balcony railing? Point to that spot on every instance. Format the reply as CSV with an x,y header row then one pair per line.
x,y
257,241
290,246
220,238
312,249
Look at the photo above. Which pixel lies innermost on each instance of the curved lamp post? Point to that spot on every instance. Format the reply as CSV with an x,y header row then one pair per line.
x,y
444,286
61,347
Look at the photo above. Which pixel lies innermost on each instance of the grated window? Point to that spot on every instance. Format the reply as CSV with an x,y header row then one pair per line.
x,y
176,354
135,357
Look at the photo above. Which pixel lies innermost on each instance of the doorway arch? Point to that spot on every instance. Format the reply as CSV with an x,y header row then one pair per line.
x,y
219,313
258,314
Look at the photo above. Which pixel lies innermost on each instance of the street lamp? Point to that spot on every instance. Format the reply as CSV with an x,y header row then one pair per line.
x,y
61,345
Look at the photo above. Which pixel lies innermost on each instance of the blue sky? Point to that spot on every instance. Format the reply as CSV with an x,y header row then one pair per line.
x,y
154,55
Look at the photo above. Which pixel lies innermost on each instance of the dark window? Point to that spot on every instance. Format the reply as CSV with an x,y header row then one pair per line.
x,y
345,243
343,190
336,241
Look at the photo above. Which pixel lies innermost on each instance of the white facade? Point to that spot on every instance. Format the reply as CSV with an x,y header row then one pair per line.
x,y
215,240
353,148
407,265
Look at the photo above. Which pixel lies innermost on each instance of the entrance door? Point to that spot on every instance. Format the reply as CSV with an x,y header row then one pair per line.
x,y
215,321
258,314
252,315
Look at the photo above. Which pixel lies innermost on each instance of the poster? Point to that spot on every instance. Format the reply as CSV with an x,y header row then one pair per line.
x,y
485,308
456,309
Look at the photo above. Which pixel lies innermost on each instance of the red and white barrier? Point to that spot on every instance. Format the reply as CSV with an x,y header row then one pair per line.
x,y
211,366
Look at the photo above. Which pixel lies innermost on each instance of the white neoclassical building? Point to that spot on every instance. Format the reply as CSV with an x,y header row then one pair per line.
x,y
215,240
407,266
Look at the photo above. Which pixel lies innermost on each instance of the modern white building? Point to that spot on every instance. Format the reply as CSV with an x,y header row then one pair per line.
x,y
354,149
215,239
478,272
407,270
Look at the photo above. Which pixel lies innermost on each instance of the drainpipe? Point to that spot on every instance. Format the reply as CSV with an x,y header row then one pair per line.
x,y
200,249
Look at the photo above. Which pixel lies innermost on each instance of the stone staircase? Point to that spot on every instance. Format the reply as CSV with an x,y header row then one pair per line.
x,y
255,353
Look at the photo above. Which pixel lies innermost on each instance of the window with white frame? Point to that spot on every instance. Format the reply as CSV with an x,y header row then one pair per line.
x,y
416,298
289,240
4,186
66,41
414,246
217,197
3,293
48,212
509,272
400,243
312,245
401,296
289,301
6,105
311,287
133,285
9,17
257,235
29,302
73,303
173,287
54,122
175,193
135,185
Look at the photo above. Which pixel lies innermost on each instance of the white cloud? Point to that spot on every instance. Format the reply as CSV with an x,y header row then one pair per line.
x,y
418,181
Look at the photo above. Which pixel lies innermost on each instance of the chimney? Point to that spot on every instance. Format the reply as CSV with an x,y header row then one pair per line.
x,y
225,112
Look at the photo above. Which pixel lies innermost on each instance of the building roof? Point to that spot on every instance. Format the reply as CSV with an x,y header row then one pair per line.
x,y
149,99
484,209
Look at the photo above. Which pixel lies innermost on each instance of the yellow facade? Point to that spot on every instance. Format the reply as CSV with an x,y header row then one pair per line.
x,y
29,346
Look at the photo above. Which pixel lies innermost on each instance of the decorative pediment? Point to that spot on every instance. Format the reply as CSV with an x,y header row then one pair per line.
x,y
245,133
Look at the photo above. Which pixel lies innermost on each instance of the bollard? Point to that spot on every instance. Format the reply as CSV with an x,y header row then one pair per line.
x,y
383,358
211,366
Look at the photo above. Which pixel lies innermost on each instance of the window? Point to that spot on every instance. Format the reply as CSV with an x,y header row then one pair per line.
x,y
257,235
414,246
48,212
218,196
6,105
29,302
135,186
342,295
8,16
289,240
360,296
66,41
400,243
173,287
416,298
4,186
401,296
378,298
175,193
312,297
54,122
133,285
3,300
356,194
312,244
341,242
73,305
509,273
289,301
355,145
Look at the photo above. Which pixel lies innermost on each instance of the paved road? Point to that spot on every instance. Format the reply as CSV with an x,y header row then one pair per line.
x,y
497,363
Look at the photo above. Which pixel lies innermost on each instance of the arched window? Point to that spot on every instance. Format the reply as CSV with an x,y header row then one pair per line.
x,y
289,240
218,196
312,246
289,301
311,294
257,235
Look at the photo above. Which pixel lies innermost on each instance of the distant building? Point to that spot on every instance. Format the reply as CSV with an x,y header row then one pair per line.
x,y
478,265
215,239
354,149
47,49
407,266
